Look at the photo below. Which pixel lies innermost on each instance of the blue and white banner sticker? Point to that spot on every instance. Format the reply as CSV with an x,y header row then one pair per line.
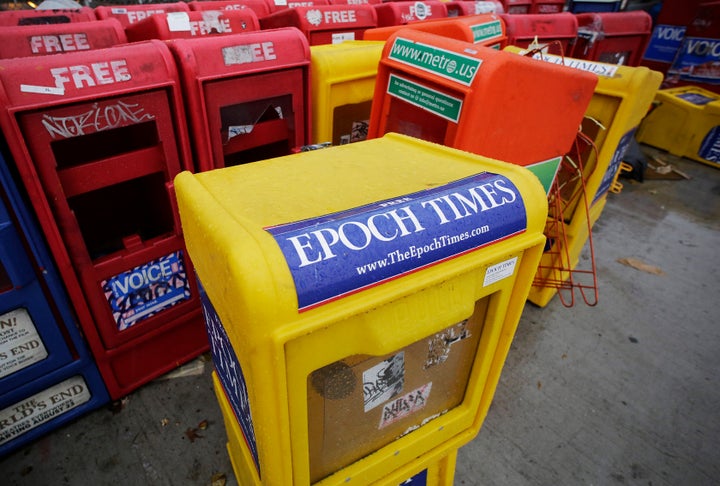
x,y
339,254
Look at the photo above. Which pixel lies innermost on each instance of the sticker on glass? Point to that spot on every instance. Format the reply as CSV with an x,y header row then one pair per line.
x,y
147,289
383,381
20,343
34,411
405,405
439,345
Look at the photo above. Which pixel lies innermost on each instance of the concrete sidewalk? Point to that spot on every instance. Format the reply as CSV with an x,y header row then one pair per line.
x,y
625,392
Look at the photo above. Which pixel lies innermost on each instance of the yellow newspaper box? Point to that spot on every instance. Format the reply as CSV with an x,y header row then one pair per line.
x,y
342,87
685,122
621,99
360,301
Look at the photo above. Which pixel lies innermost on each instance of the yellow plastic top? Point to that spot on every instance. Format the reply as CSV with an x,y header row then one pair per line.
x,y
225,213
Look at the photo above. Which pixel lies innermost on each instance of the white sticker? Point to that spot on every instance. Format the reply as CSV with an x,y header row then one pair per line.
x,y
314,17
281,3
117,10
439,345
31,88
422,11
495,273
339,37
20,343
42,407
405,405
383,381
237,55
178,21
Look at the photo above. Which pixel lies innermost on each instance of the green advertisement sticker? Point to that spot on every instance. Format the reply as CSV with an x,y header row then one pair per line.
x,y
426,98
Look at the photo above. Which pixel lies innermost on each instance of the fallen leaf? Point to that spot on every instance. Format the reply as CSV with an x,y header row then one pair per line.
x,y
192,434
539,385
203,425
218,479
164,422
640,265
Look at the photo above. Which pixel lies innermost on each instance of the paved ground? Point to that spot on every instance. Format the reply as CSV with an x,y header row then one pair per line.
x,y
626,392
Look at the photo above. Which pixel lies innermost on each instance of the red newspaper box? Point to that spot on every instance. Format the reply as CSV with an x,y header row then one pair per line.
x,y
247,95
487,29
39,17
260,7
190,25
613,37
698,59
129,14
478,99
327,24
38,40
401,13
97,138
547,6
558,31
517,6
459,8
669,32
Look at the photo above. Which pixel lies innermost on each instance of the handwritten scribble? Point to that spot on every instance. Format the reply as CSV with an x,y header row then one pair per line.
x,y
97,119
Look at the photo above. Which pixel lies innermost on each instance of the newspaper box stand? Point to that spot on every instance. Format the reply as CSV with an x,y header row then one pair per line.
x,y
517,6
325,24
484,29
594,6
558,31
97,137
10,18
487,102
547,6
247,95
461,7
342,87
191,25
685,121
47,376
621,100
401,13
130,14
613,37
260,7
353,373
39,40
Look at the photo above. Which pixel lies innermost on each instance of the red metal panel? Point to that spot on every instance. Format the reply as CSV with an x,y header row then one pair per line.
x,y
517,6
130,14
547,6
325,24
39,40
98,137
461,7
247,95
260,7
399,13
189,25
40,17
522,30
613,37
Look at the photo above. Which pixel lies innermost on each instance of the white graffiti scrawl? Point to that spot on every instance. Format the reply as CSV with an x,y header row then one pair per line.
x,y
97,119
